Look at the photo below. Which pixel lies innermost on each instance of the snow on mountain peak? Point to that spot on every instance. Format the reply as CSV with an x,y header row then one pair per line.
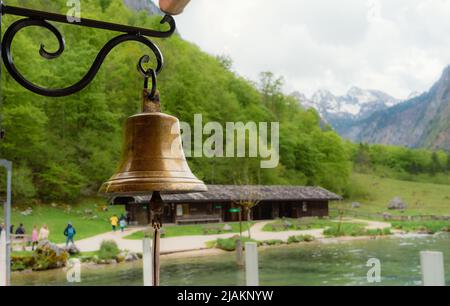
x,y
324,100
322,94
413,95
361,96
357,103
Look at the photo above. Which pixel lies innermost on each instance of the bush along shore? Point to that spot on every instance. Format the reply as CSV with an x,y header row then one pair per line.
x,y
336,231
229,244
48,256
422,227
335,228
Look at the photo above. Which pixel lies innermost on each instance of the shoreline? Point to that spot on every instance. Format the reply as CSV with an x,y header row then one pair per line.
x,y
208,252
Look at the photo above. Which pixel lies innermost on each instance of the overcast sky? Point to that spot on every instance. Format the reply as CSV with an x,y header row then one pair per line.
x,y
397,46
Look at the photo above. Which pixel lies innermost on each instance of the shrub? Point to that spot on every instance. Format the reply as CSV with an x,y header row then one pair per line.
x,y
429,227
49,256
345,229
108,250
226,244
18,266
307,238
292,239
379,232
21,263
300,238
298,224
273,242
229,244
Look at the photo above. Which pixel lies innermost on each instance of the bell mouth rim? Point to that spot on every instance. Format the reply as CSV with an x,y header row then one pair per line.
x,y
144,189
148,114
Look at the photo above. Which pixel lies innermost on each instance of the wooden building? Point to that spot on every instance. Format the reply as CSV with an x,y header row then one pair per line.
x,y
221,204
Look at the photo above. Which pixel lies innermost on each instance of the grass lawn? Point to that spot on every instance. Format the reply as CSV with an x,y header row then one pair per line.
x,y
87,224
421,198
191,230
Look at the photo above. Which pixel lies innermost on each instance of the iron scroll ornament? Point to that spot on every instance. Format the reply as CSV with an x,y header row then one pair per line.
x,y
37,18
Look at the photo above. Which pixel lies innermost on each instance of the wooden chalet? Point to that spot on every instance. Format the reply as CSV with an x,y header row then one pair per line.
x,y
221,204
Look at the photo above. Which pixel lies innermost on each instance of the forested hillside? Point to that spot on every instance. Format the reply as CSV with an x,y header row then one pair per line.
x,y
65,148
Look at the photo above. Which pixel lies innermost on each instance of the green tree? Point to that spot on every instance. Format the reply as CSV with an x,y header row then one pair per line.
x,y
362,157
448,161
435,166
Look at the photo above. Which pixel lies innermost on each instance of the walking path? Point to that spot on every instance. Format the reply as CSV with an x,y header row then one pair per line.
x,y
193,243
92,244
374,225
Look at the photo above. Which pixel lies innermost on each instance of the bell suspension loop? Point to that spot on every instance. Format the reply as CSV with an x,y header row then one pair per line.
x,y
150,98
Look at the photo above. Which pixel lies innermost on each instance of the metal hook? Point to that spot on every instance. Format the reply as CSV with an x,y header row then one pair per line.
x,y
147,74
8,60
152,93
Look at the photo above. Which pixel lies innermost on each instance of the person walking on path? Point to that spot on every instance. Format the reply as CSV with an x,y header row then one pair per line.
x,y
122,223
114,222
44,233
20,232
34,238
70,233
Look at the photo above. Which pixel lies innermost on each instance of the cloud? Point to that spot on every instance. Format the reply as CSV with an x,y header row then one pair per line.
x,y
396,46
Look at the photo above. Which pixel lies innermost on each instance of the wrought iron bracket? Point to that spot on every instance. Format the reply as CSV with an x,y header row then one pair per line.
x,y
43,19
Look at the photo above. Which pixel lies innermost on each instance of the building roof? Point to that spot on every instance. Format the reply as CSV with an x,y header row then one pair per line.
x,y
231,193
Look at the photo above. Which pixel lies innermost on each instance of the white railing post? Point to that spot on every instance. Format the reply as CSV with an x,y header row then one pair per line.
x,y
3,265
251,264
147,262
432,264
6,252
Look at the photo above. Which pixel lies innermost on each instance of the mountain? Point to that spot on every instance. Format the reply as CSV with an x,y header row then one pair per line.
x,y
147,5
413,95
423,121
343,111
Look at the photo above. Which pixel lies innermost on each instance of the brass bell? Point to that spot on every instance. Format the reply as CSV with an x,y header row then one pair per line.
x,y
153,159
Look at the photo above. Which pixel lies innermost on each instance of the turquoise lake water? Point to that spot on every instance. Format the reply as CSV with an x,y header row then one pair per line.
x,y
323,264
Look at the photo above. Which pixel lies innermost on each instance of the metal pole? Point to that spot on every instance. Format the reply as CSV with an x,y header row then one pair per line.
x,y
240,222
155,257
239,253
156,206
7,211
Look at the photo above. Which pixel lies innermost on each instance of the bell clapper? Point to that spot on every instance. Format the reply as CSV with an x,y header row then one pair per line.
x,y
157,207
